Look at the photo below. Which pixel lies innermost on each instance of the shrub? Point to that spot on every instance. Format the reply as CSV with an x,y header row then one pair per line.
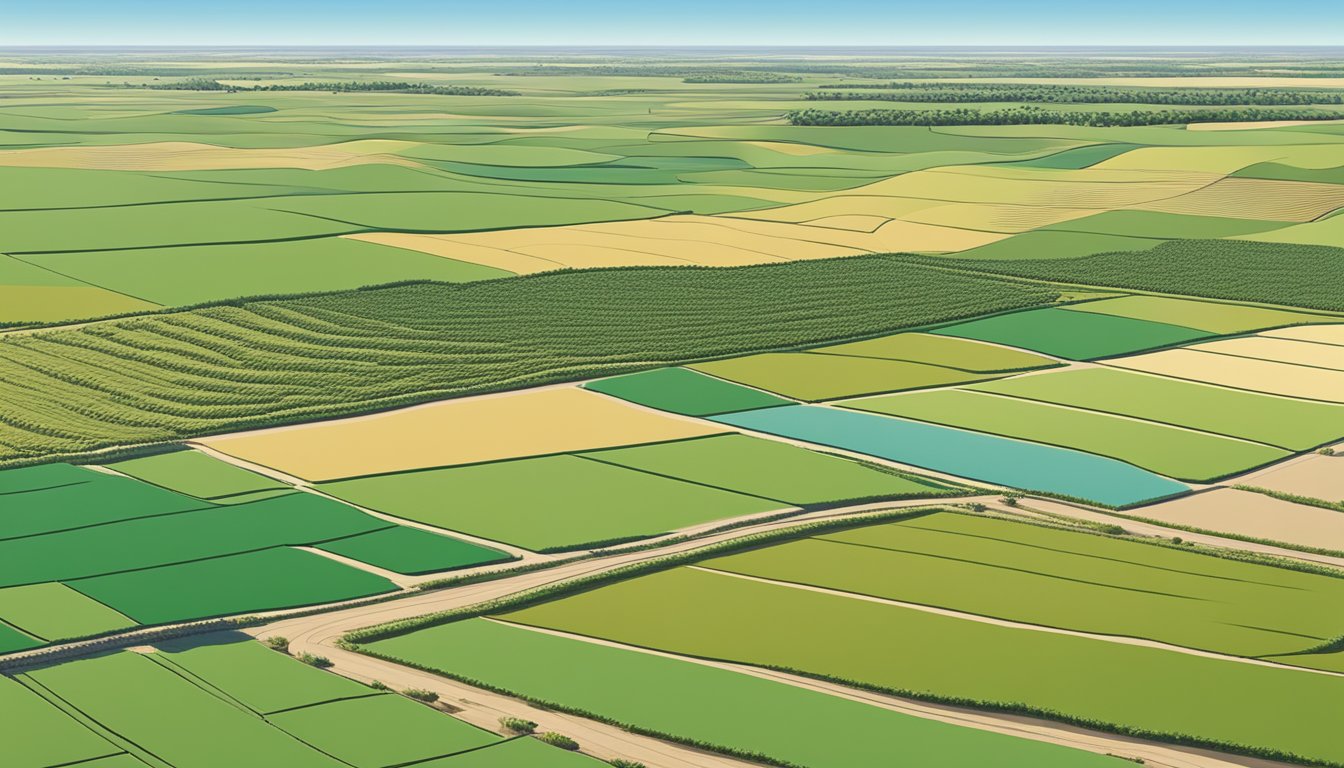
x,y
976,507
619,763
420,694
379,685
321,662
1327,451
278,643
518,725
559,740
1010,500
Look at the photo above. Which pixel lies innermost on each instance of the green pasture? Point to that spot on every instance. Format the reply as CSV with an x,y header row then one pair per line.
x,y
1073,335
1059,578
268,579
52,498
769,469
56,612
941,351
39,735
196,474
684,391
1208,316
377,731
809,376
171,718
1177,453
1111,684
1295,425
547,503
732,710
412,550
257,677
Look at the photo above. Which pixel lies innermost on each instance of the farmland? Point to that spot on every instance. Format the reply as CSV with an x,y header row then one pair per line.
x,y
429,408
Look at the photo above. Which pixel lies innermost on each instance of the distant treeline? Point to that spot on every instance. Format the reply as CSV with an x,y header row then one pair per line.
x,y
978,68
1076,94
206,84
1029,115
742,77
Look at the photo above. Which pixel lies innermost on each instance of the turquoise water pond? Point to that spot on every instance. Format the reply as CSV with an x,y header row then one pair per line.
x,y
976,456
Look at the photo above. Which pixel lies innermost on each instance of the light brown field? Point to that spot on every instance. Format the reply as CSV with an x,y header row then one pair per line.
x,y
1256,515
1255,125
1255,199
1241,373
452,432
712,241
190,156
1280,350
1322,334
1086,188
1314,475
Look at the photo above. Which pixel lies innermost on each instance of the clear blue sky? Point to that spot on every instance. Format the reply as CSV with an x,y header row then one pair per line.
x,y
672,22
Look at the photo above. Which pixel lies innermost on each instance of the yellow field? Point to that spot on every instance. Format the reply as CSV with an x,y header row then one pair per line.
x,y
1224,160
1241,373
1252,514
189,156
1280,350
1322,334
467,431
1255,199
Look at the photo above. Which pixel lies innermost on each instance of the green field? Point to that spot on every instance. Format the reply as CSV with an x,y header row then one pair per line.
x,y
228,368
1057,578
812,377
684,391
1178,453
196,274
1200,315
770,469
268,579
733,710
1073,335
376,731
196,474
413,551
41,734
1295,425
53,498
942,351
1154,691
56,612
548,503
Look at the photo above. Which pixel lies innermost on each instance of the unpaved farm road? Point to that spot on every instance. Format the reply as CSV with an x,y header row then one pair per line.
x,y
319,633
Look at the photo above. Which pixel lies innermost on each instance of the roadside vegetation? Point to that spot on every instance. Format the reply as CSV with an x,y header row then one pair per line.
x,y
1033,115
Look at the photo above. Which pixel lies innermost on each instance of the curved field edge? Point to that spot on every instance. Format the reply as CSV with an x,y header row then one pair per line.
x,y
99,388
355,641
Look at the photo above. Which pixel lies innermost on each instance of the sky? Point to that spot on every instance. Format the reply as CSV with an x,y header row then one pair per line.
x,y
671,22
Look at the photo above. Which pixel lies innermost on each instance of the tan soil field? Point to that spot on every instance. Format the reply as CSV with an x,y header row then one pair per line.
x,y
189,156
1255,199
1255,515
1241,373
1322,334
1314,475
1280,350
452,432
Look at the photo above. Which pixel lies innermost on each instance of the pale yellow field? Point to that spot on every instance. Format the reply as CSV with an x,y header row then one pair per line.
x,y
1314,475
1255,125
1104,189
1255,515
1241,373
1255,199
843,205
467,431
1224,160
1009,219
1324,232
190,156
713,241
1280,350
1322,334
1214,317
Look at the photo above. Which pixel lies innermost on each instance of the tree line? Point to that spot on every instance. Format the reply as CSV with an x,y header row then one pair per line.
x,y
1074,94
378,86
1030,115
